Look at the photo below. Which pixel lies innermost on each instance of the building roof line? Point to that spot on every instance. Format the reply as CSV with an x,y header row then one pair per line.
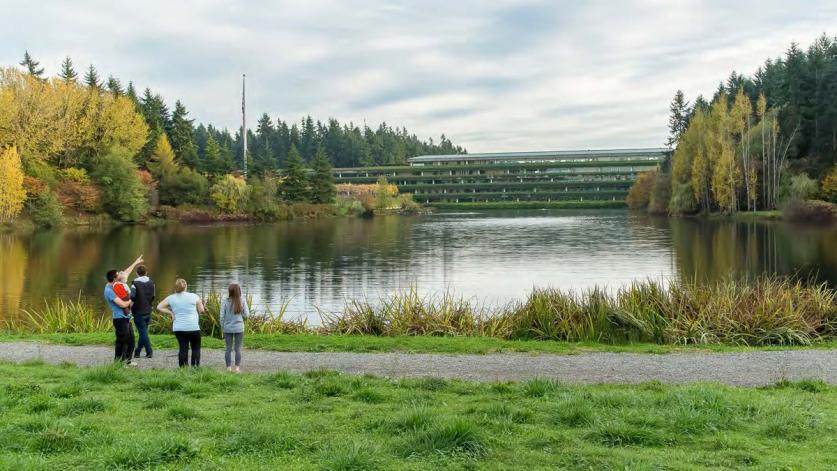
x,y
558,153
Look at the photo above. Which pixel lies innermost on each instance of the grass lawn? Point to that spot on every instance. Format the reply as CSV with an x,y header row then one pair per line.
x,y
412,344
59,417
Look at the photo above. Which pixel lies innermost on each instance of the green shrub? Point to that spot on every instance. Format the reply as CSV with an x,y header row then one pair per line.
x,y
45,209
802,187
810,212
682,200
185,186
261,200
123,195
660,194
75,175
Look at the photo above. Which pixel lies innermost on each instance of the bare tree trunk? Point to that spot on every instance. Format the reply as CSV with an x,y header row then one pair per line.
x,y
787,147
763,165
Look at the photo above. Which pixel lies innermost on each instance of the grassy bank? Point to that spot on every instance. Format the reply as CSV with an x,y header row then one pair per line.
x,y
592,204
112,417
762,312
406,344
772,215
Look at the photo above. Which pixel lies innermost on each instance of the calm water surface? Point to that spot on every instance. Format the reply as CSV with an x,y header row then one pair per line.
x,y
492,257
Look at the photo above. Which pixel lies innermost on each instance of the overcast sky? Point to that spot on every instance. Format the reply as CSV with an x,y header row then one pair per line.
x,y
492,75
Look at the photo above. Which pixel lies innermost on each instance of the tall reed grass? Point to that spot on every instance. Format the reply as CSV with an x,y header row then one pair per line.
x,y
765,311
59,316
78,316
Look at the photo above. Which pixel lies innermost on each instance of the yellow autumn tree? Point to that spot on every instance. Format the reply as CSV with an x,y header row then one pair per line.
x,y
121,125
741,121
8,110
725,181
11,181
64,124
162,163
229,194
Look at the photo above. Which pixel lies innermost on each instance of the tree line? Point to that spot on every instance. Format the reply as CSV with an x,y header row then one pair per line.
x,y
88,143
760,140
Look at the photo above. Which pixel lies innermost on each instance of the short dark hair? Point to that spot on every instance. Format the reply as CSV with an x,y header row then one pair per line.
x,y
111,275
141,270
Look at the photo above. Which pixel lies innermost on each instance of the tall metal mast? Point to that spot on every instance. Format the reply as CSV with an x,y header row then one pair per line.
x,y
244,123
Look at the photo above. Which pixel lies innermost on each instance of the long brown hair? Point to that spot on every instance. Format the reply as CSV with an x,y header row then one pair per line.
x,y
235,297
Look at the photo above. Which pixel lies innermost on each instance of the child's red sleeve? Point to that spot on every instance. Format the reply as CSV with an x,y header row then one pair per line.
x,y
119,289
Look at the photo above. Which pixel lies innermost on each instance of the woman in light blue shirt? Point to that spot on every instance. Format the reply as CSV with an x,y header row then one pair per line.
x,y
184,307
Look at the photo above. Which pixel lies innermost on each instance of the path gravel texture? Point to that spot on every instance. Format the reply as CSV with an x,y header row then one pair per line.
x,y
738,369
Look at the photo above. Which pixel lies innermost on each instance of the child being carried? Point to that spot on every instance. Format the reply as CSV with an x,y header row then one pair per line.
x,y
121,289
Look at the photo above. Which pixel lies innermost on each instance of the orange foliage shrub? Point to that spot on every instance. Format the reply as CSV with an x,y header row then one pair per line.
x,y
79,196
640,194
33,186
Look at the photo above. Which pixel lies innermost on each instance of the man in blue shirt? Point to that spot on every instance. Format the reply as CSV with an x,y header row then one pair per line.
x,y
124,345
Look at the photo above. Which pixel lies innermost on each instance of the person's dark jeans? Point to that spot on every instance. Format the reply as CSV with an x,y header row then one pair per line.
x,y
184,341
142,321
124,346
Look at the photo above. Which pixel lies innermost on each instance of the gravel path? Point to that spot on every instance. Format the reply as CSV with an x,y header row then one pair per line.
x,y
740,369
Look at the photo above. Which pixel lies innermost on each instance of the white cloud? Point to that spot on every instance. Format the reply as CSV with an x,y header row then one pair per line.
x,y
502,75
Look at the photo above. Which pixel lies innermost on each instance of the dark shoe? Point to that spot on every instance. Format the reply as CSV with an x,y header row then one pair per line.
x,y
149,356
137,353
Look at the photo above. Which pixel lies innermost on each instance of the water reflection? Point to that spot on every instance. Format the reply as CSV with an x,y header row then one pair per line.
x,y
492,257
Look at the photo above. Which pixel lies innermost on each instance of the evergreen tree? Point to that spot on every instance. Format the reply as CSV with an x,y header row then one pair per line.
x,y
263,160
182,136
91,77
293,187
322,188
131,93
68,72
154,109
678,120
307,139
212,156
31,66
227,156
156,116
114,86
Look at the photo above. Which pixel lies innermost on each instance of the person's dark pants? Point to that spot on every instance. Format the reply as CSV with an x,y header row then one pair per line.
x,y
124,346
184,341
142,321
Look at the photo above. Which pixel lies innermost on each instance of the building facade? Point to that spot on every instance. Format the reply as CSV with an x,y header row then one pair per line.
x,y
580,175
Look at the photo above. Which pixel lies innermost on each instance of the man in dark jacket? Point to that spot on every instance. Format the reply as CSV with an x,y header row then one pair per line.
x,y
142,294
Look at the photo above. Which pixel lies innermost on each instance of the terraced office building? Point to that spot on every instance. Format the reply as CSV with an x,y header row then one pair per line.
x,y
578,175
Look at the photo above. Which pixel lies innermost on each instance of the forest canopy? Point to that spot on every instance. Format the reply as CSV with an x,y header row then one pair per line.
x,y
93,145
759,140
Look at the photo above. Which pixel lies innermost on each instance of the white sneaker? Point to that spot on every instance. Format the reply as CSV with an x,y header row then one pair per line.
x,y
132,363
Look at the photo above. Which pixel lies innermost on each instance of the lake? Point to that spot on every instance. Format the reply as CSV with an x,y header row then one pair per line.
x,y
489,256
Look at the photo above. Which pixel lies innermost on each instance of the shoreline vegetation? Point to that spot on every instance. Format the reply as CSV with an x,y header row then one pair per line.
x,y
58,417
82,151
761,312
762,142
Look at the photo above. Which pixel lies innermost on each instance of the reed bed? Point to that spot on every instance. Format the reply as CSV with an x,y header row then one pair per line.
x,y
59,316
764,311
